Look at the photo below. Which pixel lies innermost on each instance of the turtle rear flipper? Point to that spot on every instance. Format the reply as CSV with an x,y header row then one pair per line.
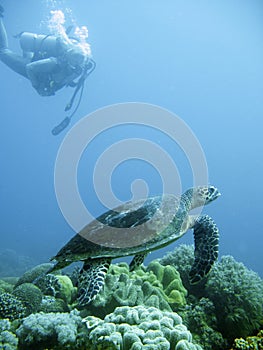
x,y
91,279
206,237
137,261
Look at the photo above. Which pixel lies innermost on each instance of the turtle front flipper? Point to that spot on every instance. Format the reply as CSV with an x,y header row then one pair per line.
x,y
137,261
91,279
206,237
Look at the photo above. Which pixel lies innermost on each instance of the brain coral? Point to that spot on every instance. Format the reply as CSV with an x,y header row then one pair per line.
x,y
139,327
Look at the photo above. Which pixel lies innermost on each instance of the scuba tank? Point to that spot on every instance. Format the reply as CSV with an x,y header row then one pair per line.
x,y
39,43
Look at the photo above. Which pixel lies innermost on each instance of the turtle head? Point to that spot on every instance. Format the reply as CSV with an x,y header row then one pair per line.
x,y
203,195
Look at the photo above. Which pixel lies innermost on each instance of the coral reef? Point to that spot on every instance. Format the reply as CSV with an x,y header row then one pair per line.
x,y
170,283
52,330
237,294
251,343
52,304
182,258
158,286
30,295
31,275
11,307
134,309
8,340
201,320
139,327
58,286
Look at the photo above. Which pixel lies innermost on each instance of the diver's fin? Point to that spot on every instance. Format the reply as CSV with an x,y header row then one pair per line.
x,y
60,127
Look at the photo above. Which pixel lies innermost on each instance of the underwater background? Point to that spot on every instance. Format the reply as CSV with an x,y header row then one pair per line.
x,y
202,60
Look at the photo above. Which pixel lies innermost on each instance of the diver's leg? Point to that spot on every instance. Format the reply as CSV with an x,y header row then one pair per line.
x,y
3,35
12,60
40,72
37,68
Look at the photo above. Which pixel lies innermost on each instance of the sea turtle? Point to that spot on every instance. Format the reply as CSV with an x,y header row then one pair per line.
x,y
137,228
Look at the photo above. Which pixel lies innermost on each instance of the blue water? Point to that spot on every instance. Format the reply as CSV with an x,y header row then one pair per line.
x,y
202,60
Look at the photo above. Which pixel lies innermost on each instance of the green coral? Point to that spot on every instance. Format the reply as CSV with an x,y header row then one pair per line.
x,y
30,295
251,343
158,286
182,258
11,307
58,331
139,327
237,294
170,283
8,340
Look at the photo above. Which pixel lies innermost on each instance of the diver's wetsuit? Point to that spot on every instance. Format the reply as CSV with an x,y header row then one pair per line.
x,y
44,64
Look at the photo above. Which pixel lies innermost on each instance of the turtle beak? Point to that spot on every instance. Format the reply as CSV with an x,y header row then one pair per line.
x,y
214,193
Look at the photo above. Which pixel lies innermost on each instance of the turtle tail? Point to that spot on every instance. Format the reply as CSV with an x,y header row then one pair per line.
x,y
206,237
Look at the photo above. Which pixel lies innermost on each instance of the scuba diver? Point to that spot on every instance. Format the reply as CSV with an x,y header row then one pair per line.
x,y
50,63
